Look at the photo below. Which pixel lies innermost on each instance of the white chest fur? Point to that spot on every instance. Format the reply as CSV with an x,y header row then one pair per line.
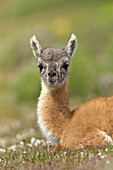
x,y
46,132
41,116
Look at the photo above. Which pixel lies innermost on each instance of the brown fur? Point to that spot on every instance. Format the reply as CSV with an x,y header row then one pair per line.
x,y
54,109
87,125
78,128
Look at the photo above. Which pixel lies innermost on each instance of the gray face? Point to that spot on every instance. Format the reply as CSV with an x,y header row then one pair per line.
x,y
53,65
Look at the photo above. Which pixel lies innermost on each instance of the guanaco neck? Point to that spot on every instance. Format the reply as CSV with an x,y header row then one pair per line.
x,y
53,111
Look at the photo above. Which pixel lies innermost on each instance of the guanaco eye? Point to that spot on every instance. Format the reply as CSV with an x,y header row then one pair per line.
x,y
65,66
40,66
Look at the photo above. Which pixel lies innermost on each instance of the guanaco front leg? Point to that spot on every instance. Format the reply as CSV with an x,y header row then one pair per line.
x,y
57,148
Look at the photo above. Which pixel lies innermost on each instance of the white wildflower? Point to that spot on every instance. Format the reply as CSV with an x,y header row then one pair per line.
x,y
37,142
106,149
25,152
13,147
29,144
102,156
2,150
64,153
33,140
82,153
42,140
22,143
99,154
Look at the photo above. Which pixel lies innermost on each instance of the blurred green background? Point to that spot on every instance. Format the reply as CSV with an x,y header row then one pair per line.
x,y
52,21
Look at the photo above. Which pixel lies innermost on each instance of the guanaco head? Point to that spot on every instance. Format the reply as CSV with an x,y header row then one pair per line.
x,y
53,63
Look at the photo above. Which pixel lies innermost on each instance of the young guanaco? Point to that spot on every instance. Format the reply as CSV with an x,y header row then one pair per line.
x,y
90,124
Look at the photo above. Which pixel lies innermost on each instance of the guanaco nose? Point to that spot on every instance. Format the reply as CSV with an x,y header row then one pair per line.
x,y
52,73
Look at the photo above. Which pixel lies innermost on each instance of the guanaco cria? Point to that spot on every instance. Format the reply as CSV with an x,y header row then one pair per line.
x,y
90,124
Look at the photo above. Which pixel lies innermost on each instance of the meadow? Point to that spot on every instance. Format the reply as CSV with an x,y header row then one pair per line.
x,y
91,75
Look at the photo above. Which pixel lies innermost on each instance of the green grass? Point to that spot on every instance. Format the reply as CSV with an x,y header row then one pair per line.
x,y
22,146
34,155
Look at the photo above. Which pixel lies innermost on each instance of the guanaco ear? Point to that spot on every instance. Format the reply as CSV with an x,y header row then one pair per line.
x,y
36,47
71,46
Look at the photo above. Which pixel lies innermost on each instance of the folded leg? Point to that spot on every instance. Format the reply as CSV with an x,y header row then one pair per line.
x,y
89,137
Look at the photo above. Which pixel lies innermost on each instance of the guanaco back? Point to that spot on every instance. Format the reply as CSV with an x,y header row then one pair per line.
x,y
90,124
